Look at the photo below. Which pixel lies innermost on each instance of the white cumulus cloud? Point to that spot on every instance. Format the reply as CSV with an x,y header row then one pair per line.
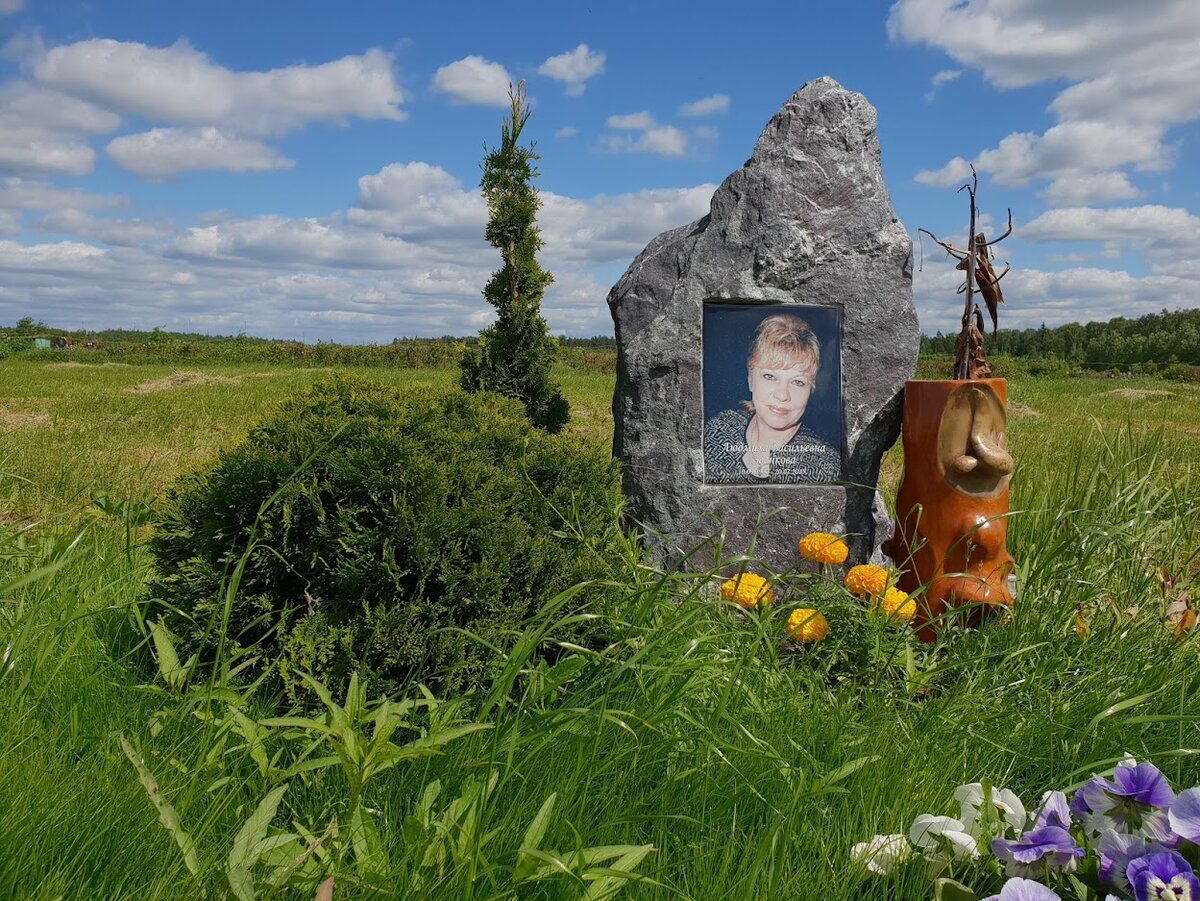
x,y
125,232
1152,222
46,131
574,68
34,194
164,152
941,77
1080,190
408,258
1133,71
706,106
474,79
1034,296
639,121
182,86
664,140
420,201
953,173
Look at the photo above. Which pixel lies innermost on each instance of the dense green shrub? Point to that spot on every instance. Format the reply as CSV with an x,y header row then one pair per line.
x,y
1181,372
391,521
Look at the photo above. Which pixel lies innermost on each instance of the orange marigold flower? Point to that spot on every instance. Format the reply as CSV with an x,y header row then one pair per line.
x,y
898,605
867,580
821,547
806,625
748,590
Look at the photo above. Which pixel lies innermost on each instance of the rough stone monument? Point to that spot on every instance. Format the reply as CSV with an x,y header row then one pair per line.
x,y
763,350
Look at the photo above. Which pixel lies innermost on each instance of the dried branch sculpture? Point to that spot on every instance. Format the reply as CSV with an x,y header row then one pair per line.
x,y
970,358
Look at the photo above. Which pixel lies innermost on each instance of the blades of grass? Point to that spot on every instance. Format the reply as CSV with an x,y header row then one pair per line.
x,y
1128,703
845,771
167,815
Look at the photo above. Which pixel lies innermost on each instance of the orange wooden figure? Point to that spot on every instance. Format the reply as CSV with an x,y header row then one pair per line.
x,y
952,506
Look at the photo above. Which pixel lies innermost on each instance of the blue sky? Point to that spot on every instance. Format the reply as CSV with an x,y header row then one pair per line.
x,y
310,170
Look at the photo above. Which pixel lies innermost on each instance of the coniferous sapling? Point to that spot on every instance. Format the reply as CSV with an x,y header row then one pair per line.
x,y
516,353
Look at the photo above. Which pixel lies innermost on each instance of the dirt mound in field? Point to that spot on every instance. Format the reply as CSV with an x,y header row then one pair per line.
x,y
75,364
13,419
1016,408
181,379
1140,393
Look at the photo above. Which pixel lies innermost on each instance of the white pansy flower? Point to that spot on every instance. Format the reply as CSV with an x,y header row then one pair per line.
x,y
882,853
1009,808
941,840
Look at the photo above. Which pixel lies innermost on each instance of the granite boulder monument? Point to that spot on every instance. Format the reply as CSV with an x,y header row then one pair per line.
x,y
763,350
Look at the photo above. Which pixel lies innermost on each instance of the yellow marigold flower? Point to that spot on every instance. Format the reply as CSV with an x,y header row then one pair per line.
x,y
748,590
821,547
867,580
806,625
1081,623
898,605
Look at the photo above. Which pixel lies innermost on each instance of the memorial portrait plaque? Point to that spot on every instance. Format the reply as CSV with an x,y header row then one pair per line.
x,y
772,393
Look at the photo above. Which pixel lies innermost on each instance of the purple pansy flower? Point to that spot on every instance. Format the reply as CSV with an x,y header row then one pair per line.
x,y
1165,876
1116,850
1184,815
1037,851
1018,889
1134,800
1053,811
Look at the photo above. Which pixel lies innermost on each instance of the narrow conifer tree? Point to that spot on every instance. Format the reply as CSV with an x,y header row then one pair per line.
x,y
515,354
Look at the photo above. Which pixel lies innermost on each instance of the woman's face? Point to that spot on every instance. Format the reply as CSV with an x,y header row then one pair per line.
x,y
780,395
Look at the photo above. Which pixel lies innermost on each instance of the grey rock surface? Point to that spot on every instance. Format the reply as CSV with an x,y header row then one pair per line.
x,y
806,220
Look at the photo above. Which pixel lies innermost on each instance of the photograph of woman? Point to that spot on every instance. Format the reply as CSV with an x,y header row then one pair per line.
x,y
768,437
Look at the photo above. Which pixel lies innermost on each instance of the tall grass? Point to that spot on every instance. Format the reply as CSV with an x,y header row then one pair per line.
x,y
748,769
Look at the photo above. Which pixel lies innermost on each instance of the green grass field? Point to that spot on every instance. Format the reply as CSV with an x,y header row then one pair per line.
x,y
749,772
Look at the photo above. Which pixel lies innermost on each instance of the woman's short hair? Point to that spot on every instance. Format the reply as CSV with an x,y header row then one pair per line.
x,y
782,341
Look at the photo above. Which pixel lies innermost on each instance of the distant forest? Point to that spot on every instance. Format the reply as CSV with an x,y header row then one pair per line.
x,y
1147,344
162,346
30,327
1156,340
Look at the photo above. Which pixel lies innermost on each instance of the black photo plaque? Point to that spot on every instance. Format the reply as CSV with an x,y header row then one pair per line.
x,y
772,393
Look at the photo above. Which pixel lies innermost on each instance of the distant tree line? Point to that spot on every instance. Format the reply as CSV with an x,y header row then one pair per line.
x,y
1148,342
597,354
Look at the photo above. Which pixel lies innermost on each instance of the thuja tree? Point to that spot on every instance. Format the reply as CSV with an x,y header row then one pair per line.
x,y
515,354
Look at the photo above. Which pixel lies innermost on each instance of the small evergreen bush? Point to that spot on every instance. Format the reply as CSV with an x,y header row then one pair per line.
x,y
391,521
515,355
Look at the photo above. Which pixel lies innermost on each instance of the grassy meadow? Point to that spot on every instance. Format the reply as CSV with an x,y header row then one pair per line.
x,y
695,760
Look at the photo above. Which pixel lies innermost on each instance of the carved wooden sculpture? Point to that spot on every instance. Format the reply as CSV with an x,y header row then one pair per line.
x,y
952,505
